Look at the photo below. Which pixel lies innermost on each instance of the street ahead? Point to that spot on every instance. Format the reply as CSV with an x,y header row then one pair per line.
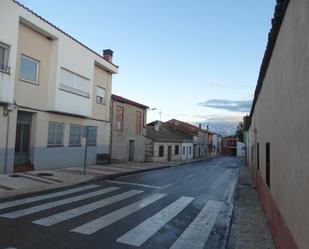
x,y
187,207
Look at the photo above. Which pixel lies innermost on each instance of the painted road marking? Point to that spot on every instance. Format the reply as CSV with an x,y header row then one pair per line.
x,y
69,214
44,197
104,221
134,184
139,234
35,209
197,233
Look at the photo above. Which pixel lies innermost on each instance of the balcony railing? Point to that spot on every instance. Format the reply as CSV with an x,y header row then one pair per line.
x,y
4,68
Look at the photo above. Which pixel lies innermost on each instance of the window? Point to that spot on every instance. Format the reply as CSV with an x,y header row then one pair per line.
x,y
183,150
92,135
119,117
75,134
4,57
268,164
100,95
138,122
55,134
258,155
74,83
161,151
176,149
190,150
29,69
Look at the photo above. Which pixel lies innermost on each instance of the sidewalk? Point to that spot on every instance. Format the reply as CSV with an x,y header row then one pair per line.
x,y
39,180
249,229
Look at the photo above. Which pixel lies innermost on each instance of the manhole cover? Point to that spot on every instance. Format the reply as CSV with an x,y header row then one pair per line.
x,y
14,175
44,174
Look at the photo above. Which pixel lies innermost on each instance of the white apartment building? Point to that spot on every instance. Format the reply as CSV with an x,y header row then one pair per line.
x,y
51,86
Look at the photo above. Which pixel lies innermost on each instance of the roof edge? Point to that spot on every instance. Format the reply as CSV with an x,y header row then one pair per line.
x,y
128,101
280,10
55,27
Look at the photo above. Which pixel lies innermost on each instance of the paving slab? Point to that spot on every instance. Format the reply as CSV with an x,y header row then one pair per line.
x,y
249,229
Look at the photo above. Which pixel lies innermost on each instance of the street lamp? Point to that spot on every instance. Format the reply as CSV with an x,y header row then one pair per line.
x,y
160,111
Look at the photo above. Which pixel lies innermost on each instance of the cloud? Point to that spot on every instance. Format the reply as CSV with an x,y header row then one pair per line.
x,y
222,124
232,119
229,105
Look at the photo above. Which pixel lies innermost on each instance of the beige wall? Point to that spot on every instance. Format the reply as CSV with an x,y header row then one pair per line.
x,y
103,79
11,140
36,46
156,157
281,118
121,138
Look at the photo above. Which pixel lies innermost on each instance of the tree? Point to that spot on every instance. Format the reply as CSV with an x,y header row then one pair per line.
x,y
240,131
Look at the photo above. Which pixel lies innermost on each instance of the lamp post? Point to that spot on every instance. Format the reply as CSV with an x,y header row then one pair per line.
x,y
157,108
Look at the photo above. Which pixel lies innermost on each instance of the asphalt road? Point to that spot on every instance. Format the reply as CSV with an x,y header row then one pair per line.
x,y
187,207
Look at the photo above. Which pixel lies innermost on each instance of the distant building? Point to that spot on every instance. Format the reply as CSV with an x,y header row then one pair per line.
x,y
165,143
199,136
241,149
229,145
128,129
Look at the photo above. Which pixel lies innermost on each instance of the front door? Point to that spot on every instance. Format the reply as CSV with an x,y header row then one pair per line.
x,y
131,150
22,142
169,153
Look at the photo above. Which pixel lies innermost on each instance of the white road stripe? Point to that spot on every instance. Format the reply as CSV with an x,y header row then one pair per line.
x,y
104,221
134,184
69,214
139,234
44,197
197,233
35,209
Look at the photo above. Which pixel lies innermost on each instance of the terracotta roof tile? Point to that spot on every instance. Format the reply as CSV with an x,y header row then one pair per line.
x,y
128,101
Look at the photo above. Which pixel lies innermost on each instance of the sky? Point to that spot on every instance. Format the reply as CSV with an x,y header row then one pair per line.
x,y
193,60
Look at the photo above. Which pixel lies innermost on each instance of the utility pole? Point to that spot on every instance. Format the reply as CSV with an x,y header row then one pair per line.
x,y
85,134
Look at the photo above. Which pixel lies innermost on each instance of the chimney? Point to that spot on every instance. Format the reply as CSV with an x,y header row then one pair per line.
x,y
108,54
200,126
157,126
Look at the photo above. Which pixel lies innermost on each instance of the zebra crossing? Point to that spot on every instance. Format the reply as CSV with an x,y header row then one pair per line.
x,y
194,235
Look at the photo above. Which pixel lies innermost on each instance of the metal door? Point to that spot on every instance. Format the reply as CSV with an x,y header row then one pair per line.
x,y
131,150
22,142
169,153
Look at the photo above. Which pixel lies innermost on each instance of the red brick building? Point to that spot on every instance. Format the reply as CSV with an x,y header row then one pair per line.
x,y
229,145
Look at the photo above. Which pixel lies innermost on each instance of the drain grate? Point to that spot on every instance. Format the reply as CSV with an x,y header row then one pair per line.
x,y
44,174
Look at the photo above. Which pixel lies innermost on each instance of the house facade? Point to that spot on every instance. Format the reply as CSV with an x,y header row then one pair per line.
x,y
229,145
51,87
199,136
165,143
128,130
277,129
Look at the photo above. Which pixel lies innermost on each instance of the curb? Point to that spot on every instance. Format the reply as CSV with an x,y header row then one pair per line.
x,y
100,178
114,176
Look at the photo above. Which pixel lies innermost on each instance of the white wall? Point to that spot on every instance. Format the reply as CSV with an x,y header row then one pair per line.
x,y
65,51
187,155
241,149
